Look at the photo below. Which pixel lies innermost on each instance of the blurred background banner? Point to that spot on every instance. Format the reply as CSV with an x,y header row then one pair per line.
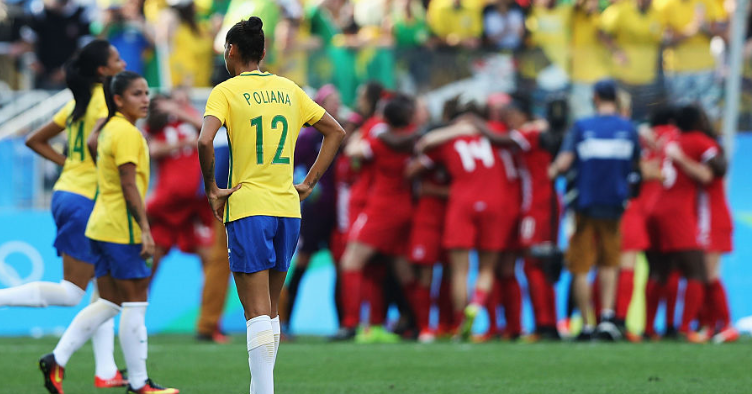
x,y
26,254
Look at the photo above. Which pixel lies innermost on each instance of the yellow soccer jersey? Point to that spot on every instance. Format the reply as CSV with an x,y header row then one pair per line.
x,y
263,114
639,35
589,55
692,54
79,173
120,143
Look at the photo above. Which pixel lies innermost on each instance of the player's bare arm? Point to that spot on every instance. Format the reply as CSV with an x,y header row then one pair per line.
x,y
93,139
700,172
39,142
440,136
403,142
433,190
217,197
135,207
417,167
333,136
719,165
562,163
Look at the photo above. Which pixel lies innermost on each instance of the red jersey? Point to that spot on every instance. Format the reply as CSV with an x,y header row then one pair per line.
x,y
389,185
537,188
178,174
474,168
344,177
362,171
511,181
720,214
650,191
430,210
679,190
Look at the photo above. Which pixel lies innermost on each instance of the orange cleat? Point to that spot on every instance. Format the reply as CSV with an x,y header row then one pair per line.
x,y
53,374
152,388
728,334
632,337
696,337
118,380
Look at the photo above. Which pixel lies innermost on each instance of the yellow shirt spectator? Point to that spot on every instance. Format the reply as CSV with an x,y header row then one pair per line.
x,y
550,30
455,20
79,173
638,34
589,56
693,53
191,59
263,113
120,143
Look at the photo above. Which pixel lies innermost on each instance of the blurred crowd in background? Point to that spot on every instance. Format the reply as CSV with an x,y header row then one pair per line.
x,y
656,49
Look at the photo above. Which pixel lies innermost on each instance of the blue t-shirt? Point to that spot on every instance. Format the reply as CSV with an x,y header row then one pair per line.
x,y
131,43
606,149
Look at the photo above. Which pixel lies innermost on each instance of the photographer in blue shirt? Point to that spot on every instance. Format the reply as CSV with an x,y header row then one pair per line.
x,y
603,151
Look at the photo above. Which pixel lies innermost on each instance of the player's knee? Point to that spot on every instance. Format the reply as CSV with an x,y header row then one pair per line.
x,y
72,294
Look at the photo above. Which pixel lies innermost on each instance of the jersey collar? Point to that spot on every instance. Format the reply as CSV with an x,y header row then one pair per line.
x,y
255,73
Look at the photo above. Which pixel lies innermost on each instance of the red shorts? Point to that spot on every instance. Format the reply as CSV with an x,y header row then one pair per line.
x,y
387,231
535,229
634,229
720,240
675,231
425,244
337,245
195,231
479,226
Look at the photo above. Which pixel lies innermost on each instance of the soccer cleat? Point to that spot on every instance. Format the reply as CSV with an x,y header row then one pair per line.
x,y
564,328
119,380
53,374
471,312
607,331
584,336
343,334
728,334
671,334
217,337
695,337
632,337
426,336
152,388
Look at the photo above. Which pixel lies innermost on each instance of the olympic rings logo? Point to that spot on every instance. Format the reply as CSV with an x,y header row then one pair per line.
x,y
8,275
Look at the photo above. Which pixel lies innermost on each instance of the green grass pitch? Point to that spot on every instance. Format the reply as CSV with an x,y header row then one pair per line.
x,y
311,366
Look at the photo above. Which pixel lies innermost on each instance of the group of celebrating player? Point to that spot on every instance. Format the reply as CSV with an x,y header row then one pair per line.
x,y
407,195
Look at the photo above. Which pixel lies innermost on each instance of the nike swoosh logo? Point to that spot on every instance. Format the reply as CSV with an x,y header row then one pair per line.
x,y
58,376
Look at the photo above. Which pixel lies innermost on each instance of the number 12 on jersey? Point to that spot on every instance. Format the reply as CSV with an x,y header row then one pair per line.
x,y
258,123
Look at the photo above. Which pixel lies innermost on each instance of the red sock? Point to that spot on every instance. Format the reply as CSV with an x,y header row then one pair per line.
x,y
446,309
421,301
706,314
720,303
652,298
596,296
693,297
492,306
670,293
624,293
479,297
512,305
538,287
375,275
352,281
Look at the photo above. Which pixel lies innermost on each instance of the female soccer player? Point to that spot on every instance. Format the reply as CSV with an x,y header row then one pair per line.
x,y
73,197
263,114
120,238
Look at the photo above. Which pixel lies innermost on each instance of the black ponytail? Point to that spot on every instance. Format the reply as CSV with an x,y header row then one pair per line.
x,y
116,85
81,74
248,36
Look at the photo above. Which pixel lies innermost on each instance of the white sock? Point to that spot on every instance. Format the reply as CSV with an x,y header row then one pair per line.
x,y
261,354
42,294
103,343
607,314
133,341
82,328
276,330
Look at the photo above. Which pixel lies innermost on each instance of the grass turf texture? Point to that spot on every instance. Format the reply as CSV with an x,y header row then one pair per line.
x,y
311,366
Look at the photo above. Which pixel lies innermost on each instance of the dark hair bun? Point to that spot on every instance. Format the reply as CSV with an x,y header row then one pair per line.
x,y
253,25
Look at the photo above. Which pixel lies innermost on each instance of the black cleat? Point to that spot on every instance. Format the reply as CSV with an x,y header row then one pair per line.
x,y
151,388
584,336
343,334
53,374
607,331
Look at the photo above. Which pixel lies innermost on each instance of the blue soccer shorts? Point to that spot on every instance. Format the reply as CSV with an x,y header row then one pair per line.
x,y
121,261
71,212
259,243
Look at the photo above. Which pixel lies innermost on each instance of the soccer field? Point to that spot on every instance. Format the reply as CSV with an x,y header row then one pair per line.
x,y
311,366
